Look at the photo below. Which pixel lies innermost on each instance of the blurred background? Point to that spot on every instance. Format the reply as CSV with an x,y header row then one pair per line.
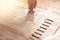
x,y
13,12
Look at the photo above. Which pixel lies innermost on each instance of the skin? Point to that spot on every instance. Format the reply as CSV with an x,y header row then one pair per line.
x,y
32,4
